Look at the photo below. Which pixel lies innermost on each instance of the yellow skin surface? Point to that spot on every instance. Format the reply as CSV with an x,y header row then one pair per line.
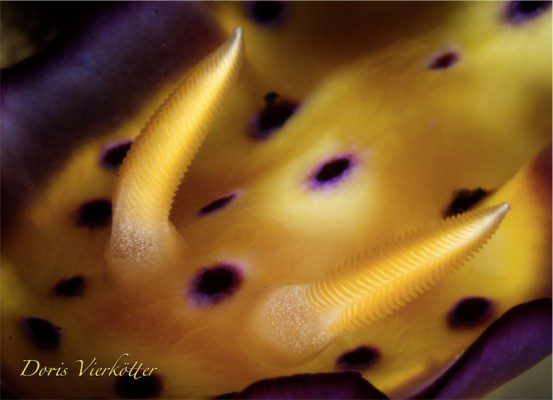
x,y
417,136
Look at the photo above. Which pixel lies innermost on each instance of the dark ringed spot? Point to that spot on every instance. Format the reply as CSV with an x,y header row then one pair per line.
x,y
444,60
464,200
114,153
331,172
469,312
146,387
359,359
213,284
266,12
70,287
272,117
43,333
94,213
217,204
523,10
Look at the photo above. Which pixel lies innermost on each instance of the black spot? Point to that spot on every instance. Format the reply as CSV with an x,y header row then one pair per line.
x,y
469,312
270,98
94,213
146,387
464,200
520,11
266,12
70,287
331,171
273,116
43,333
217,204
114,153
213,284
444,60
359,359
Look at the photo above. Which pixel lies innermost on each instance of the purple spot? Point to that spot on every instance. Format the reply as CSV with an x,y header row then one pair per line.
x,y
520,11
469,312
146,387
331,172
266,12
43,333
214,284
272,117
114,153
464,200
94,213
217,204
70,287
359,359
444,60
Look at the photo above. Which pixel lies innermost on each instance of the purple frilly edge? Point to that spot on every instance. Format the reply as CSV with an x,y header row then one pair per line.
x,y
509,346
338,385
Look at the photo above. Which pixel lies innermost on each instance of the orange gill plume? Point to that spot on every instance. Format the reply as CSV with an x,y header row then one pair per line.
x,y
142,237
295,322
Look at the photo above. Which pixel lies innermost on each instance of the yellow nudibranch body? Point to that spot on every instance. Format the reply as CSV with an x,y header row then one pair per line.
x,y
277,249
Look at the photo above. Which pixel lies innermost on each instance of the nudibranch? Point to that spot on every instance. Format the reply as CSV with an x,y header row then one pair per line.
x,y
279,200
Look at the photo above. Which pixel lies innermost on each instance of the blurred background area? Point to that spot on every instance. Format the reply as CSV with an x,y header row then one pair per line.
x,y
533,384
27,28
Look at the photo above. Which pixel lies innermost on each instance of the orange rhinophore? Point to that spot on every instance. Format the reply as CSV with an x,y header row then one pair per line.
x,y
157,162
298,321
